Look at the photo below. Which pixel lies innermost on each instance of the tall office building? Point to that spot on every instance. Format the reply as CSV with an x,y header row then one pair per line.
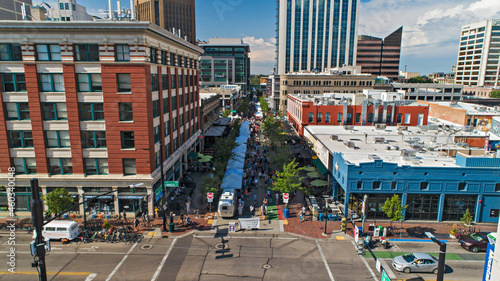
x,y
169,14
314,35
65,10
379,56
12,9
478,56
225,61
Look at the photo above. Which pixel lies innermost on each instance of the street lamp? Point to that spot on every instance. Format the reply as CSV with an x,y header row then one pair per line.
x,y
442,255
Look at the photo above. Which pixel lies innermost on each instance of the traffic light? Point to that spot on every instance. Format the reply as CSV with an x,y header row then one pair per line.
x,y
344,224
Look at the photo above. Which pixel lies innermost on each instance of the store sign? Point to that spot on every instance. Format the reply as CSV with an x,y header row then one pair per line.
x,y
158,193
488,263
171,183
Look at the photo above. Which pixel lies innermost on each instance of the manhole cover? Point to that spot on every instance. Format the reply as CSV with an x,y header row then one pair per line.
x,y
266,266
221,246
146,247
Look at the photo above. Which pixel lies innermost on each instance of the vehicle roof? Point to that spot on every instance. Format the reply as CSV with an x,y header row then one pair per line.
x,y
60,223
422,256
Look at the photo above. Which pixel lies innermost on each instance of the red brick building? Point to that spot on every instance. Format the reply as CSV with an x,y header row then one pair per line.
x,y
95,107
311,110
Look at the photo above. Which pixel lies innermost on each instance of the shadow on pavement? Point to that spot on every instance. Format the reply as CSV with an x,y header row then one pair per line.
x,y
418,231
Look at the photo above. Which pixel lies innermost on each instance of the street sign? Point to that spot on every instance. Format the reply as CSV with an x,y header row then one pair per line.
x,y
285,198
158,193
385,277
377,265
210,197
171,183
232,227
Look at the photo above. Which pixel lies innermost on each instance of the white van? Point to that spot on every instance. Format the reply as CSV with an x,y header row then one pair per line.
x,y
55,230
227,203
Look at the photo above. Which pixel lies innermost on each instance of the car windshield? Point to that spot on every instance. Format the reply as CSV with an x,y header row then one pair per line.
x,y
409,257
476,237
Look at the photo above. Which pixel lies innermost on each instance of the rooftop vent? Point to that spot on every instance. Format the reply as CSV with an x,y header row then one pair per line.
x,y
379,140
349,144
373,157
334,137
468,128
402,128
380,126
417,146
348,127
408,153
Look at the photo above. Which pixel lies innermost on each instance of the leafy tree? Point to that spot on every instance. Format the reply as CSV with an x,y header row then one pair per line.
x,y
420,79
467,220
244,105
226,113
281,156
272,129
394,209
495,94
263,104
288,180
255,80
211,184
58,201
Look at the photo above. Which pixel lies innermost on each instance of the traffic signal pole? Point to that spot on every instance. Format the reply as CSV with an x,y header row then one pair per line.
x,y
37,219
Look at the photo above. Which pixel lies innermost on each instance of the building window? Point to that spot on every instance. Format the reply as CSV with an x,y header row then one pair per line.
x,y
154,82
60,166
123,81
86,52
399,118
358,117
175,144
24,165
181,120
311,117
156,108
54,111
377,185
57,139
167,151
163,56
13,82
157,158
127,140
164,82
172,59
359,184
73,6
327,117
17,111
424,186
10,52
20,139
462,186
129,167
89,82
152,55
51,83
179,60
172,81
174,124
394,185
91,111
157,135
96,166
174,103
165,106
126,112
48,52
407,118
339,117
370,118
66,6
94,139
497,187
319,117
167,131
122,52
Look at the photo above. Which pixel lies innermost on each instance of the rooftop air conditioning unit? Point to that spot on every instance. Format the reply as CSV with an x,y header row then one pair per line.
x,y
379,140
348,127
407,153
468,128
402,128
373,157
380,126
334,137
350,144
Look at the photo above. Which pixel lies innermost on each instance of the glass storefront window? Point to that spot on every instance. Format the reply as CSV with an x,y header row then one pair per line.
x,y
456,205
375,203
422,207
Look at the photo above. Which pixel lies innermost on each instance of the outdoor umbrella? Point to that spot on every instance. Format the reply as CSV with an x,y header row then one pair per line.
x,y
205,159
310,169
314,175
319,183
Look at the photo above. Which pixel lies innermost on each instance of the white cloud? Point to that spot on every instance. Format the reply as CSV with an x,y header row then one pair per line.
x,y
262,53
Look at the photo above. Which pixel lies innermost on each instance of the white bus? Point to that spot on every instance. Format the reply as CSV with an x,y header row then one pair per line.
x,y
55,230
227,203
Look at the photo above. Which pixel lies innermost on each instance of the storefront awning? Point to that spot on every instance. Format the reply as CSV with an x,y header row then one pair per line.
x,y
131,196
215,131
322,169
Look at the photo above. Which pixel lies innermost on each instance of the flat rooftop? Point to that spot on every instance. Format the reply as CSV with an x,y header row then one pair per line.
x,y
470,108
426,146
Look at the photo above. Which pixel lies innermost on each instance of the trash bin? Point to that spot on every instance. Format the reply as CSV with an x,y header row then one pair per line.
x,y
286,213
171,227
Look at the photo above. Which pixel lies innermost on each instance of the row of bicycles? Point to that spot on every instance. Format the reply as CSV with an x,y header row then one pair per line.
x,y
112,235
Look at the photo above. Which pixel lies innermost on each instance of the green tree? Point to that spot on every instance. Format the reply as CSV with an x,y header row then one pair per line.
x,y
255,80
210,184
393,208
273,129
226,113
495,94
58,201
280,157
420,79
263,104
467,220
288,180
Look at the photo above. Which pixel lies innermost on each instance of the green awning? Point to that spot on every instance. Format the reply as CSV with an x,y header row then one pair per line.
x,y
193,155
322,169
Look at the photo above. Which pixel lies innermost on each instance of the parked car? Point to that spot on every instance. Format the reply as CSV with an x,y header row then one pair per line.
x,y
416,262
474,242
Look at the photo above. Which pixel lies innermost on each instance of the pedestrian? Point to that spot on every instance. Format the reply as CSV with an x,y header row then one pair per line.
x,y
172,217
188,206
240,210
262,210
136,223
255,197
277,198
301,215
124,216
181,218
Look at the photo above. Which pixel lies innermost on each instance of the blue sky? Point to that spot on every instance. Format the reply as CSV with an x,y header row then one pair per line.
x,y
430,39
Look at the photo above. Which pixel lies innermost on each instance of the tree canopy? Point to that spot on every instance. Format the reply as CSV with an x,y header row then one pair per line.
x,y
288,180
420,79
394,209
58,201
495,94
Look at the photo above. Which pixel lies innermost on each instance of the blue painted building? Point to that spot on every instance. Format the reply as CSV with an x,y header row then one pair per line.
x,y
434,186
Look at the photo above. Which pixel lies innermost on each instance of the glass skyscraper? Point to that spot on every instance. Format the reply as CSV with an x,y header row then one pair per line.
x,y
314,35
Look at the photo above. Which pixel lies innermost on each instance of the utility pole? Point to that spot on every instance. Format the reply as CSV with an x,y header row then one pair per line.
x,y
442,256
37,219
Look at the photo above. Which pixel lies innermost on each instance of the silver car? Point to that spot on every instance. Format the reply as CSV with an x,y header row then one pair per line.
x,y
416,262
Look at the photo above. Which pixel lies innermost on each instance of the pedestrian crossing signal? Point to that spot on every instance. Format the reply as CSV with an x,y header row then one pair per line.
x,y
344,224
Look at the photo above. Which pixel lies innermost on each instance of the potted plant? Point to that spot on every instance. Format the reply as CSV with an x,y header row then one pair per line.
x,y
453,232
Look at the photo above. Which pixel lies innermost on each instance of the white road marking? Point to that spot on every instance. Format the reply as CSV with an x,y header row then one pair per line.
x,y
121,262
324,260
158,270
282,228
91,277
366,264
